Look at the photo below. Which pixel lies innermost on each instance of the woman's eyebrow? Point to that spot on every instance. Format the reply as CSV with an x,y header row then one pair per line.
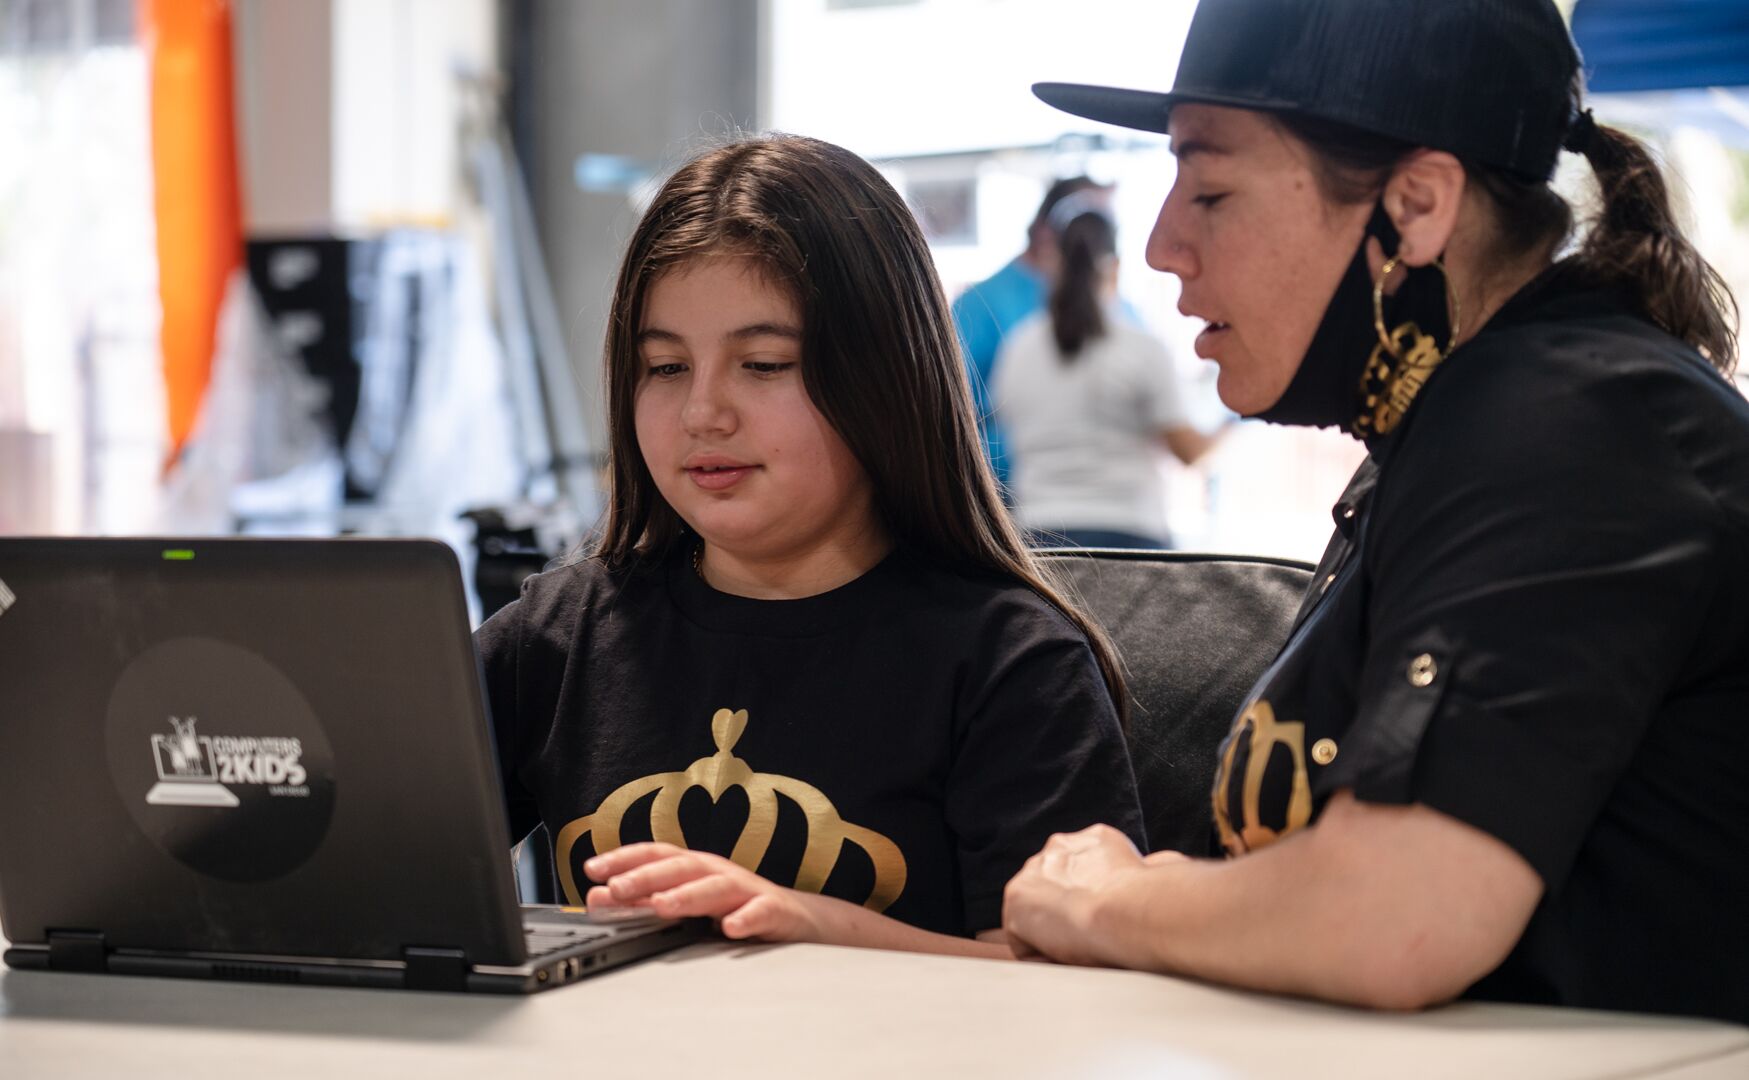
x,y
1186,149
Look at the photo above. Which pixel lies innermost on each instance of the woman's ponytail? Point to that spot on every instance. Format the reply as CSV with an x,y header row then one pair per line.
x,y
1077,310
1636,243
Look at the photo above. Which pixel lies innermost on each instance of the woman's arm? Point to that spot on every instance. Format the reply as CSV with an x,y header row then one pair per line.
x,y
676,883
1392,907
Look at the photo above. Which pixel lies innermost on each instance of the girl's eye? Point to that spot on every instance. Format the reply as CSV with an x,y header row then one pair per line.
x,y
768,367
666,371
1209,200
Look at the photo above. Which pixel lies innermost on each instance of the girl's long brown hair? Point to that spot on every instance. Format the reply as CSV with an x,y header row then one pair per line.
x,y
880,358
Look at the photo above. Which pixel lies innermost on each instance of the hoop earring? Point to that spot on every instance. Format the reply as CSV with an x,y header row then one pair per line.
x,y
1386,338
1388,389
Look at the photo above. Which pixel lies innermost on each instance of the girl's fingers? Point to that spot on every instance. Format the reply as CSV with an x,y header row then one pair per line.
x,y
655,877
714,896
600,898
764,916
619,860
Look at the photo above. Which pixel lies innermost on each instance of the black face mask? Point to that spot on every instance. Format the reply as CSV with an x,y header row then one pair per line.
x,y
1329,389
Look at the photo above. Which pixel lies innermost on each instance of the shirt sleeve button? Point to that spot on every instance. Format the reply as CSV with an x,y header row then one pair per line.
x,y
1423,670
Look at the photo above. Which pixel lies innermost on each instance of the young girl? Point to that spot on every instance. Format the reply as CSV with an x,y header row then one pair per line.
x,y
810,683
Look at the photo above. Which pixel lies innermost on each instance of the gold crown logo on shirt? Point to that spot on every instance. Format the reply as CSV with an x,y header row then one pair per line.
x,y
827,832
1265,733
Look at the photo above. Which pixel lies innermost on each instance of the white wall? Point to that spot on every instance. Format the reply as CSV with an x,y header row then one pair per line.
x,y
351,110
283,54
945,75
398,105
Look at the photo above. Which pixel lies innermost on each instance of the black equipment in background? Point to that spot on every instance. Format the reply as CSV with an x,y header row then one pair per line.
x,y
505,557
306,285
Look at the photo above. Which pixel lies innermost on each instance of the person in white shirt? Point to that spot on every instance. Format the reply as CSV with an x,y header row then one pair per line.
x,y
1089,402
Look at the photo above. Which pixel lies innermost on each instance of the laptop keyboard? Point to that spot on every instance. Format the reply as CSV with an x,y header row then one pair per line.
x,y
551,939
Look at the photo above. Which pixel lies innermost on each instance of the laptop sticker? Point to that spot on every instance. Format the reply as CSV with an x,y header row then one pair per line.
x,y
220,760
7,599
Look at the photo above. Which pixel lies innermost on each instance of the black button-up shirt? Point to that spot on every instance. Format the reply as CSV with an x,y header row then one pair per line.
x,y
1534,617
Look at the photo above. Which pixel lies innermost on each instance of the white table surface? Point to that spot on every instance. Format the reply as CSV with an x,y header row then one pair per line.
x,y
718,1011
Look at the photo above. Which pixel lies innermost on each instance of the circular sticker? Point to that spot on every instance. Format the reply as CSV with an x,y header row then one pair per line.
x,y
220,760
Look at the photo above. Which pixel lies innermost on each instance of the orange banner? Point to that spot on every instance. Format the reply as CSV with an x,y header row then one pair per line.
x,y
197,190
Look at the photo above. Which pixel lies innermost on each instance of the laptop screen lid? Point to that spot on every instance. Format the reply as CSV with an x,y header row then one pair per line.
x,y
248,746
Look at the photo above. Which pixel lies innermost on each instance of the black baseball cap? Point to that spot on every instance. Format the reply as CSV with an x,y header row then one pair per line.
x,y
1488,80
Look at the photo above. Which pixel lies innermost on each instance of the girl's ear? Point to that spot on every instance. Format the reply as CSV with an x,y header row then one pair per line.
x,y
1422,198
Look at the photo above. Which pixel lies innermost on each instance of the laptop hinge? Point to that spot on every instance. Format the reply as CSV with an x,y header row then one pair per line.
x,y
435,969
77,950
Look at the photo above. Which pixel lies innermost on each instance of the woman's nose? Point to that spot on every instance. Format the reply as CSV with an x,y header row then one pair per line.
x,y
1167,250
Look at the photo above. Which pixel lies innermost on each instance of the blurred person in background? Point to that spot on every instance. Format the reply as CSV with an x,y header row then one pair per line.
x,y
1087,402
987,311
1504,753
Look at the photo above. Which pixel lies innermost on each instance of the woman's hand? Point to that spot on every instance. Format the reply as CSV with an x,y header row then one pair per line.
x,y
676,883
1049,907
1394,907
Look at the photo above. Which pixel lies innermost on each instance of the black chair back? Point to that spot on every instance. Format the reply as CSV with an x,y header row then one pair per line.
x,y
1194,632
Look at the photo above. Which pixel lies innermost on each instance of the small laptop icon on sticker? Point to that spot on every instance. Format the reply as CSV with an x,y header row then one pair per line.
x,y
187,775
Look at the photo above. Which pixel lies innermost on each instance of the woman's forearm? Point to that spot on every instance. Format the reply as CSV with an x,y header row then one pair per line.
x,y
1250,922
1390,907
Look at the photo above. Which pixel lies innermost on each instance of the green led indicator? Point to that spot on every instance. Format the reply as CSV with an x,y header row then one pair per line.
x,y
178,555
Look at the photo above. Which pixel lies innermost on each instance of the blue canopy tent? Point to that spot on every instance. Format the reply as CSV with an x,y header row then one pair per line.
x,y
1668,63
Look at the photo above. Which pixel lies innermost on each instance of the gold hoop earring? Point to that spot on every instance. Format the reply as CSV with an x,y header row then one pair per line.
x,y
1378,308
1388,388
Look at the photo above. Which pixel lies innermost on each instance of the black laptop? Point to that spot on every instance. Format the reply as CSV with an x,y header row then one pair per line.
x,y
265,760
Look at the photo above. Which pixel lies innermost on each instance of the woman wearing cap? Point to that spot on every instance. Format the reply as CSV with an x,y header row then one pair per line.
x,y
1505,752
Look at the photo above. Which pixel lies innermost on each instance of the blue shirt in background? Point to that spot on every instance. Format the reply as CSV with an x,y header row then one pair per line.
x,y
984,314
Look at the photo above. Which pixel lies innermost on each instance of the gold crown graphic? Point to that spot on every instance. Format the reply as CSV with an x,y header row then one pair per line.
x,y
827,832
1265,733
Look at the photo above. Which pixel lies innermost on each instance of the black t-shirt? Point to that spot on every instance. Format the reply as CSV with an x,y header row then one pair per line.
x,y
906,741
1534,617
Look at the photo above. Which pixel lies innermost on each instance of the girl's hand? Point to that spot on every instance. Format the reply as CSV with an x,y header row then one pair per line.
x,y
676,883
1049,907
